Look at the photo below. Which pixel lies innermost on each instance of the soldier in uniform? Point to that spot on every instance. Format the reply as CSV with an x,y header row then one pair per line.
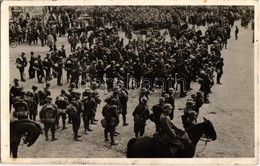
x,y
110,75
74,110
16,90
140,114
31,69
43,94
111,116
21,107
219,69
157,111
35,102
62,102
38,66
68,67
47,64
123,98
48,116
89,105
198,101
21,63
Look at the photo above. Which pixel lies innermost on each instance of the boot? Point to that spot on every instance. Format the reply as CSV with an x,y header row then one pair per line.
x,y
64,126
106,137
46,135
124,120
112,140
53,136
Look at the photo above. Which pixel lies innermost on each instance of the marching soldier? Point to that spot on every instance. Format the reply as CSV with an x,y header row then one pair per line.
x,y
43,94
48,116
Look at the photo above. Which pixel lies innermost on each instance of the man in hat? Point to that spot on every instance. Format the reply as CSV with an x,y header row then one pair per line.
x,y
169,132
34,103
140,114
157,111
21,107
111,116
31,69
219,69
62,102
16,90
74,109
47,64
123,99
89,105
21,63
38,66
48,116
198,101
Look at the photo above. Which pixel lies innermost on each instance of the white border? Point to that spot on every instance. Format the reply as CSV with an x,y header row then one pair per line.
x,y
5,84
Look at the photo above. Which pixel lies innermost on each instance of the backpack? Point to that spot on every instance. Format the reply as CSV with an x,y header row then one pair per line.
x,y
71,111
48,113
21,109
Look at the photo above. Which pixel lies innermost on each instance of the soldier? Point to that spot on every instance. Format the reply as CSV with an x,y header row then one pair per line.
x,y
157,111
110,75
21,63
59,71
89,109
123,98
47,64
73,110
199,101
31,69
34,104
110,114
16,90
68,67
38,66
236,32
140,114
219,69
21,107
43,94
48,116
62,103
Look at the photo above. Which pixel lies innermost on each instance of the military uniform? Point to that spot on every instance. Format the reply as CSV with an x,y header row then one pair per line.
x,y
48,116
110,113
21,63
140,114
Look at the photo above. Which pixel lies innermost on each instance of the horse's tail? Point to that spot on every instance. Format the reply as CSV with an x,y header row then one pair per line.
x,y
130,143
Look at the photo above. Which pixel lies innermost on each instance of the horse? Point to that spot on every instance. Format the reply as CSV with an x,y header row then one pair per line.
x,y
148,147
26,129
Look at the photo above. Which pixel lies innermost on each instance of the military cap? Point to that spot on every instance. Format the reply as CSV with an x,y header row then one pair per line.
x,y
167,106
161,99
16,80
49,98
171,90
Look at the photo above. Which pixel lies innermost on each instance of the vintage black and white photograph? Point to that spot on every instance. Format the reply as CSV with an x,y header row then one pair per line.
x,y
130,81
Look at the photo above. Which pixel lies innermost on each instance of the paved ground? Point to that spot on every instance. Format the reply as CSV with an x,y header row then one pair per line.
x,y
231,111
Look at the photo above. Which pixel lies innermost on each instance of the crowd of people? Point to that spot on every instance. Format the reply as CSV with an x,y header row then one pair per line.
x,y
103,60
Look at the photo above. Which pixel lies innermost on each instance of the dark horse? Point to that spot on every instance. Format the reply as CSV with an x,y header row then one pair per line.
x,y
26,129
147,147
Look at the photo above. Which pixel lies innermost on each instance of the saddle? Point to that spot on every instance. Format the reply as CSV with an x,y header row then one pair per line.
x,y
172,147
